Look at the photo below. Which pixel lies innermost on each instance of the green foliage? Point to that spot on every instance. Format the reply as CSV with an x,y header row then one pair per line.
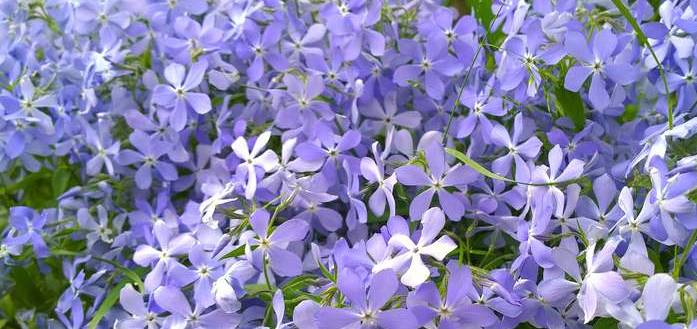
x,y
35,284
294,290
570,104
476,166
239,251
630,113
605,323
111,298
30,287
40,189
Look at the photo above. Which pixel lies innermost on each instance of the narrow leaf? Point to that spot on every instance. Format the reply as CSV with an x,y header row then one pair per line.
x,y
476,166
486,172
239,251
107,304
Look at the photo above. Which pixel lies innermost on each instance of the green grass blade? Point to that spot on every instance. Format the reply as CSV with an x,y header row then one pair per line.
x,y
486,172
476,166
107,304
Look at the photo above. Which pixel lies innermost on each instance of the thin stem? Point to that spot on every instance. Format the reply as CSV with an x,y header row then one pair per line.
x,y
686,252
466,77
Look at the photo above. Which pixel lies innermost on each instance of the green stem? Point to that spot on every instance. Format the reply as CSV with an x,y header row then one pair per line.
x,y
266,273
466,77
685,253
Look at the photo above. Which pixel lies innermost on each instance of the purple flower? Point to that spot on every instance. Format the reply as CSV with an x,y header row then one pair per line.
x,y
178,94
203,272
307,44
376,175
440,177
594,217
675,210
386,116
532,235
312,193
496,199
170,246
668,35
142,316
440,25
261,48
454,308
520,63
480,105
105,15
80,284
596,60
518,151
330,150
174,301
150,150
272,246
578,146
636,257
349,24
552,174
195,39
98,231
429,68
600,285
357,213
25,109
681,81
304,108
104,148
27,226
366,308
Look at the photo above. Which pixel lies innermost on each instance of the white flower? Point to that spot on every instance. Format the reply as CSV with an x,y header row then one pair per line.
x,y
207,207
432,223
251,159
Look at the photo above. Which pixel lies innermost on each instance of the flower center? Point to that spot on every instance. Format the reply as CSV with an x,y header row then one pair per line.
x,y
368,318
426,64
445,312
597,66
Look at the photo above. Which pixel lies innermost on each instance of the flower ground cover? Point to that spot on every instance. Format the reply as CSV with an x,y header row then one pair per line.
x,y
348,164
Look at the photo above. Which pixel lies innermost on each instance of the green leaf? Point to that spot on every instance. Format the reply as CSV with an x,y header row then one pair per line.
x,y
480,169
645,41
482,10
571,105
60,181
259,290
630,113
134,277
688,304
239,251
476,166
326,273
107,304
605,323
688,248
297,283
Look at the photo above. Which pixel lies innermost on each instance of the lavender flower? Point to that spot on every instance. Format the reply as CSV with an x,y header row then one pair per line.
x,y
366,307
432,223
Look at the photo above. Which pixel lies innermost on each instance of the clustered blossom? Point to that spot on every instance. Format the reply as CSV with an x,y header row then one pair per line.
x,y
348,164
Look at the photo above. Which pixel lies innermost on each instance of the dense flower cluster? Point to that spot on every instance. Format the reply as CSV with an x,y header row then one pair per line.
x,y
348,164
